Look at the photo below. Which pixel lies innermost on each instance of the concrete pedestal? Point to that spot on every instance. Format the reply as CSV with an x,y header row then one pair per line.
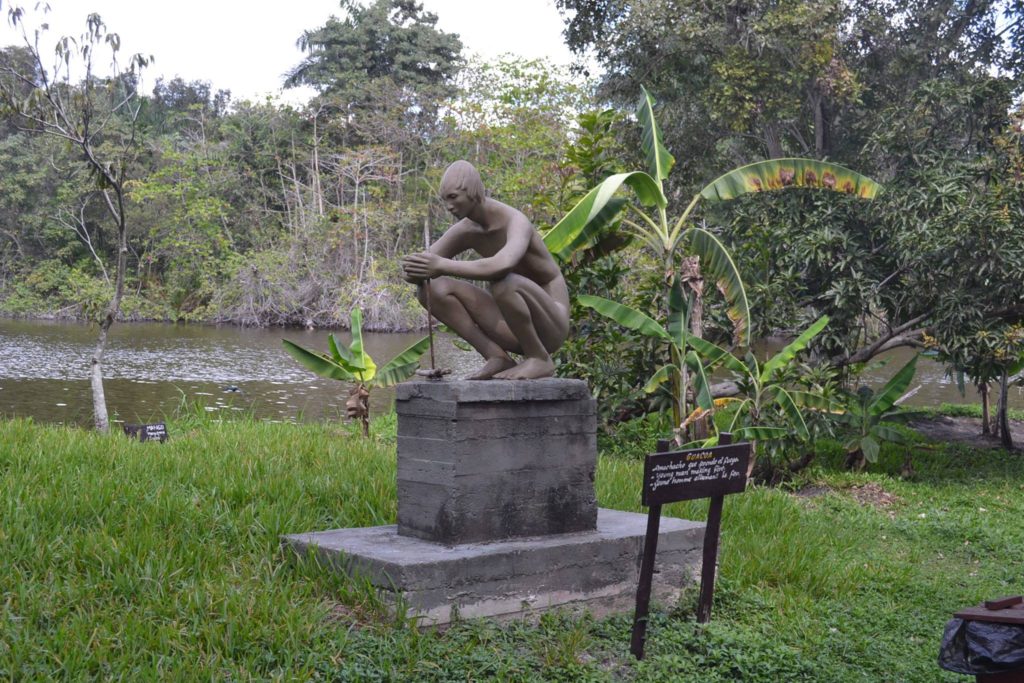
x,y
497,514
486,461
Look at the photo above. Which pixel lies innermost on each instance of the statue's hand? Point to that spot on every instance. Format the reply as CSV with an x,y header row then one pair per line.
x,y
407,275
422,265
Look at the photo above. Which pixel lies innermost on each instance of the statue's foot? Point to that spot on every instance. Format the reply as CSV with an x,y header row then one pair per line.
x,y
531,368
492,367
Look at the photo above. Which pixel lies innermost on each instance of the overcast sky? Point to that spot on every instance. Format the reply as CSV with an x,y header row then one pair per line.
x,y
246,47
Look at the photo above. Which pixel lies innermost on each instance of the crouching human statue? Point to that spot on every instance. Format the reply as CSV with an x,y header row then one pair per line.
x,y
525,308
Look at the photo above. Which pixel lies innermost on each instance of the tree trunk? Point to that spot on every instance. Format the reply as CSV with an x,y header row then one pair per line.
x,y
855,460
773,140
315,170
1003,417
99,400
820,126
986,417
691,280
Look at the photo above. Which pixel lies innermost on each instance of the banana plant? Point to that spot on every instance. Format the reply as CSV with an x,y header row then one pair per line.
x,y
675,334
604,210
647,220
868,416
352,364
762,386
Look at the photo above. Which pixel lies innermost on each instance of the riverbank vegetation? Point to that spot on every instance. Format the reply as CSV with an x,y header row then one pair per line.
x,y
262,213
143,560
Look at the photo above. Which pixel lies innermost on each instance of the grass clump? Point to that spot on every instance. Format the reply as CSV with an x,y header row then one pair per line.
x,y
145,561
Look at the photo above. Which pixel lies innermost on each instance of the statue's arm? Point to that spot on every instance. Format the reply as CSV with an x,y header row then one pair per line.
x,y
420,266
452,242
517,241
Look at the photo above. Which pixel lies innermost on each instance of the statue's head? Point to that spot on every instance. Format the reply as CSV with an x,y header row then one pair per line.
x,y
462,175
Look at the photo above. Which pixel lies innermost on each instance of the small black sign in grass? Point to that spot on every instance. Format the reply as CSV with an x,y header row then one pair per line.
x,y
151,432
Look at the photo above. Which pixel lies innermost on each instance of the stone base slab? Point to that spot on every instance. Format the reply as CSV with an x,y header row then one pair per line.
x,y
596,569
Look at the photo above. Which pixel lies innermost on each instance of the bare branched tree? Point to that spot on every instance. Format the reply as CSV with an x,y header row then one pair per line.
x,y
97,115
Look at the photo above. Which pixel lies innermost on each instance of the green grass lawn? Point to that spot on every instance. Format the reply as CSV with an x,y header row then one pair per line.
x,y
139,561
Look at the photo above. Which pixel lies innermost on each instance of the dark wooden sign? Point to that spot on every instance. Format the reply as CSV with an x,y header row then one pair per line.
x,y
701,473
150,432
686,475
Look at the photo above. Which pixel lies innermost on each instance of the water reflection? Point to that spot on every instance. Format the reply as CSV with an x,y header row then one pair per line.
x,y
152,369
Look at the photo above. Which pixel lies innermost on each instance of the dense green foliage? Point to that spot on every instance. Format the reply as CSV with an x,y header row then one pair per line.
x,y
921,95
262,213
143,560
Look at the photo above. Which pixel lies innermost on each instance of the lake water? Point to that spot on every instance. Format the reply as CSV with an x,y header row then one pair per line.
x,y
151,369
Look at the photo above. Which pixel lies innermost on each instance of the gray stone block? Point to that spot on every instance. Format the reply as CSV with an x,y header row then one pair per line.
x,y
463,391
556,501
598,569
481,461
503,455
446,410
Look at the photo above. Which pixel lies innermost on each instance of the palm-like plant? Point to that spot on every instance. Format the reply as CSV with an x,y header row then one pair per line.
x,y
596,220
353,364
676,334
869,416
761,386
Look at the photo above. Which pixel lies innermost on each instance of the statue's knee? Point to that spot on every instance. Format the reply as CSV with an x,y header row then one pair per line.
x,y
503,288
439,287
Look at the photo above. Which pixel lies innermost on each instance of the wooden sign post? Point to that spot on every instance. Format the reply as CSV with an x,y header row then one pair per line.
x,y
686,475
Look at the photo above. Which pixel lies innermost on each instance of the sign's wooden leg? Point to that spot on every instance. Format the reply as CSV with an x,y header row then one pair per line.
x,y
710,559
707,571
643,591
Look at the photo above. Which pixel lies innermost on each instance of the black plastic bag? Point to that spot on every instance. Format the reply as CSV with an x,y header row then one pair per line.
x,y
981,647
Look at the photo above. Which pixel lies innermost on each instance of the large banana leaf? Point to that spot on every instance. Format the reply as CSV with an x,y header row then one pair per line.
x,y
793,414
679,309
402,366
602,226
715,354
814,401
753,367
701,386
364,366
759,433
887,433
659,161
778,174
716,262
790,351
893,389
870,448
663,374
342,356
398,373
625,316
590,217
320,363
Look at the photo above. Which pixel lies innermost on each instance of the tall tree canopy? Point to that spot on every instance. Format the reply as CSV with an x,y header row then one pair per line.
x,y
745,79
389,39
